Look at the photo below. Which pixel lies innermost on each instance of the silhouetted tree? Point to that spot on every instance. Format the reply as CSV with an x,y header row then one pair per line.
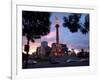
x,y
35,24
73,22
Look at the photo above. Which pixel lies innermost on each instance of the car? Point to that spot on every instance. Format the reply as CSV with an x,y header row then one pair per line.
x,y
73,59
32,62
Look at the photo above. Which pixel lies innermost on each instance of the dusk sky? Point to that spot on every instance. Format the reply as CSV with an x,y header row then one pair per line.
x,y
75,40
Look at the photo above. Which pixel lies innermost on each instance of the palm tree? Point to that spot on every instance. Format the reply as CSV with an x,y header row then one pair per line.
x,y
35,24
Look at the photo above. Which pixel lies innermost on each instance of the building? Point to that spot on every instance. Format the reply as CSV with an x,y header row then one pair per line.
x,y
43,50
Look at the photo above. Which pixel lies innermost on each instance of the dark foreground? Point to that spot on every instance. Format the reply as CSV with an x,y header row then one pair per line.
x,y
49,65
59,62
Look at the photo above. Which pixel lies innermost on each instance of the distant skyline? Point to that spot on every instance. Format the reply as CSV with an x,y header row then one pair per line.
x,y
75,40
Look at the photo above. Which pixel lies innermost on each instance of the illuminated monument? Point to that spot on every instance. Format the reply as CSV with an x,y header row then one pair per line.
x,y
57,48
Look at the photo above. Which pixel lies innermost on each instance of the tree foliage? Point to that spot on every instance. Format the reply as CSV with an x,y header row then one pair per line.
x,y
35,24
73,22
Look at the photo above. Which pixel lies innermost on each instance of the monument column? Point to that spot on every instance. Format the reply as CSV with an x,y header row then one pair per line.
x,y
57,31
